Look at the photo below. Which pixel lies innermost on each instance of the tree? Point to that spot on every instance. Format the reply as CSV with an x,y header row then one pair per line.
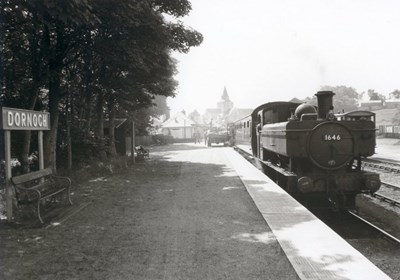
x,y
346,98
83,60
395,94
46,39
373,95
140,66
194,116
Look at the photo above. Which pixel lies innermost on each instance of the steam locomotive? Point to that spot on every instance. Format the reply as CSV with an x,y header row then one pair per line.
x,y
311,152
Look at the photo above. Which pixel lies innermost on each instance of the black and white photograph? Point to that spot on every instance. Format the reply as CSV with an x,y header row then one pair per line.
x,y
199,139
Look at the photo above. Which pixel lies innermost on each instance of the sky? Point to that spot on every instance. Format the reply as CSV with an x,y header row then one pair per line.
x,y
275,50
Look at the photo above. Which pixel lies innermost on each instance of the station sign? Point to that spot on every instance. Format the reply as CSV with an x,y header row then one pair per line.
x,y
19,119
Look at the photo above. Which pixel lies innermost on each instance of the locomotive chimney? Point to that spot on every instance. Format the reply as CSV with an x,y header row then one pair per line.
x,y
324,103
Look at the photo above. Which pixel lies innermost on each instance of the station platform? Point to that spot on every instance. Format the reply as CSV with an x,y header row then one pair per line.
x,y
314,250
188,212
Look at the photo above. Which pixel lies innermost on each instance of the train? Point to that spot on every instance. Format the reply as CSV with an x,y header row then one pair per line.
x,y
313,153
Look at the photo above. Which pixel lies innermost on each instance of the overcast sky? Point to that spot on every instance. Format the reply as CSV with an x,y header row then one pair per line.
x,y
270,50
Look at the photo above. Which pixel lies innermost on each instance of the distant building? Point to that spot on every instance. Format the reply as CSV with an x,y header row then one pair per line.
x,y
225,111
225,105
212,115
179,126
392,103
371,105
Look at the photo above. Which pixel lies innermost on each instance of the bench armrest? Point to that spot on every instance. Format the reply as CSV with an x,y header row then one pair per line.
x,y
28,190
62,178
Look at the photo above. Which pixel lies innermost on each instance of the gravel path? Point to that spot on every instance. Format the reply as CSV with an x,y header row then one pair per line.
x,y
183,214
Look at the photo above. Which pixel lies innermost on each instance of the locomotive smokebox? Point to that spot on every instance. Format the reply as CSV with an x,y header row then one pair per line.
x,y
324,102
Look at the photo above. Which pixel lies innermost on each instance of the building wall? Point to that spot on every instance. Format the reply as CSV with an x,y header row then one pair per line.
x,y
178,132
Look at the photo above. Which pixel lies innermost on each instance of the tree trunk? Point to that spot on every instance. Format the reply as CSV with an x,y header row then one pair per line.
x,y
28,134
100,125
25,151
88,113
111,126
50,136
36,73
57,55
69,144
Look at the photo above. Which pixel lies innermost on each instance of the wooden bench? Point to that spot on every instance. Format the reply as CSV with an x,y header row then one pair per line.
x,y
142,153
35,187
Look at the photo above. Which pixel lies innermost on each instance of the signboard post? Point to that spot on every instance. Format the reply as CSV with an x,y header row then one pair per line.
x,y
19,119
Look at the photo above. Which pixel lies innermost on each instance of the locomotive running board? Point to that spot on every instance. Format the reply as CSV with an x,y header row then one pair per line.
x,y
285,179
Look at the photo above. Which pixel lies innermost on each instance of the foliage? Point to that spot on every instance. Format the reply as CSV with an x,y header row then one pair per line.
x,y
345,98
195,116
395,94
88,62
373,95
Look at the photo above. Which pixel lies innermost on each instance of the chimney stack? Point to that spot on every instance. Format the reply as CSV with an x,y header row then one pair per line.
x,y
324,103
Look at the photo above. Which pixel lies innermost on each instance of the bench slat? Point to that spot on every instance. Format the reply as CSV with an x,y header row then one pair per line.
x,y
31,176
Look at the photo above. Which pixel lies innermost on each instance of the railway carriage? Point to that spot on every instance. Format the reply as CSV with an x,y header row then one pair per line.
x,y
241,131
312,153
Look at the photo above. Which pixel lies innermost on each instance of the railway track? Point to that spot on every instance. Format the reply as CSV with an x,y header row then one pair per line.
x,y
381,165
393,187
387,199
381,231
388,193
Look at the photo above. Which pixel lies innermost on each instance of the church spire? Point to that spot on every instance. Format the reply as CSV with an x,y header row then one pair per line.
x,y
225,96
225,105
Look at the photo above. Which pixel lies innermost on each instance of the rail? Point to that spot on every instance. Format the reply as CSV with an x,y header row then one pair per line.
x,y
386,234
387,199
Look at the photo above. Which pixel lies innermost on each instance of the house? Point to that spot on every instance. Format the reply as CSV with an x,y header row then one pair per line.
x,y
392,103
179,126
371,105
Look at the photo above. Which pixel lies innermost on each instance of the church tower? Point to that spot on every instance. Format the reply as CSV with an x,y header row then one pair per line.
x,y
225,105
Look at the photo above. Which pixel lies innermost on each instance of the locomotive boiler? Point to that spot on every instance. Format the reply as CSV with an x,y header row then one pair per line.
x,y
311,152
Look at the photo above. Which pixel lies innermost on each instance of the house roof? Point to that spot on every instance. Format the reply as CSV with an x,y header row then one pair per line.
x,y
392,101
178,120
371,102
119,122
